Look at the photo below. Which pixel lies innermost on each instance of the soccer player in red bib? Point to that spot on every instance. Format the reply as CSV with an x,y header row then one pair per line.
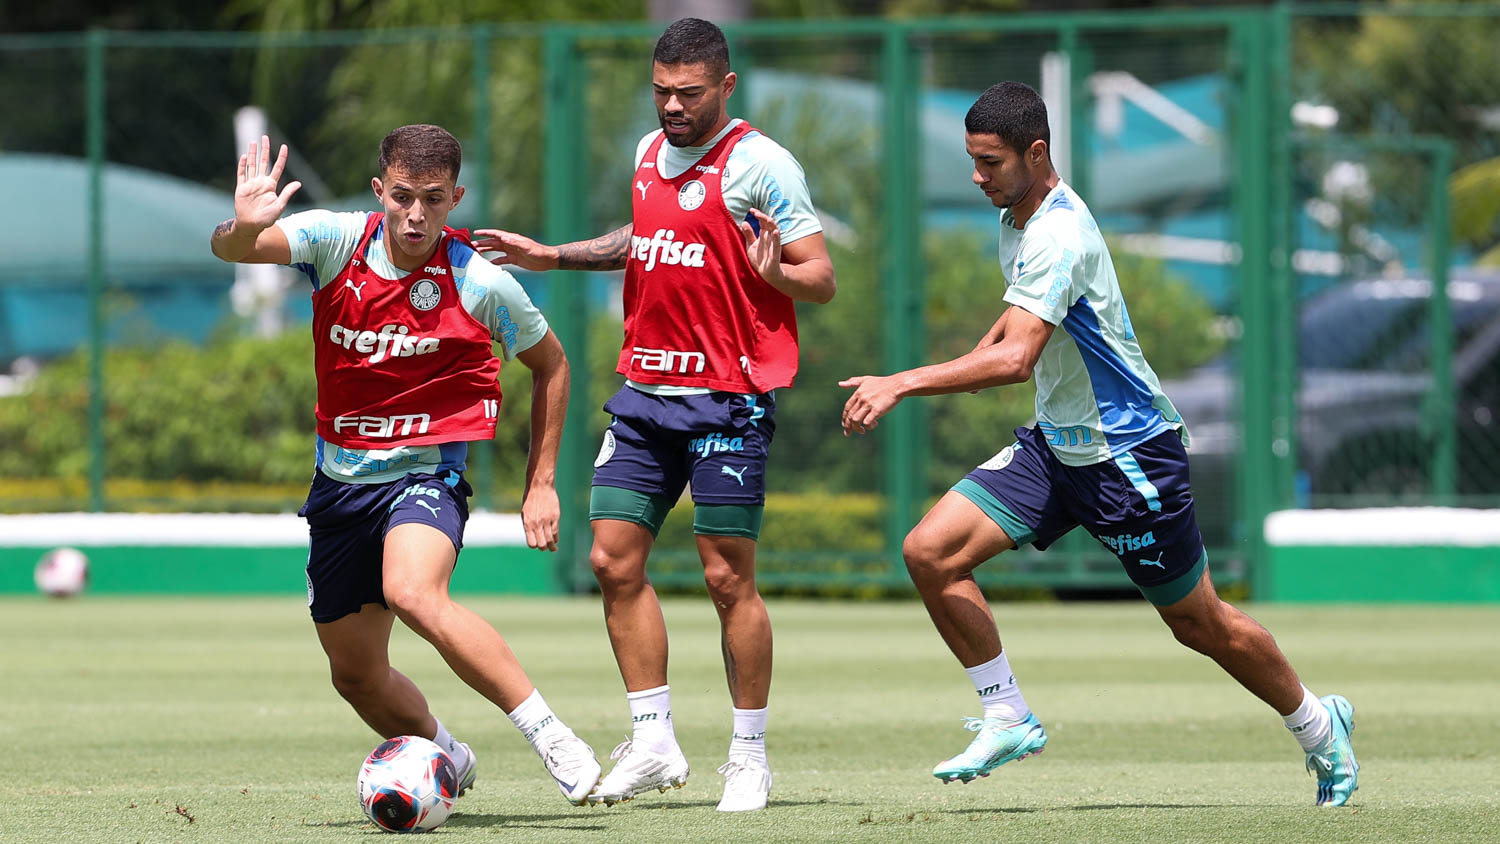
x,y
722,241
404,320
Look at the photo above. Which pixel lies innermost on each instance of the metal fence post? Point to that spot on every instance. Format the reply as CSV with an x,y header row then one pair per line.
x,y
94,82
1081,105
1251,204
479,186
903,341
1283,293
564,157
1442,402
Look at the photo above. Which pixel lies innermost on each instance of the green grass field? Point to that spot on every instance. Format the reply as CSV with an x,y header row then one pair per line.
x,y
212,720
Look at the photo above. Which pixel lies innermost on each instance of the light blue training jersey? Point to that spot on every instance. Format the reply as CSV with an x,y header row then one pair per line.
x,y
1096,397
323,242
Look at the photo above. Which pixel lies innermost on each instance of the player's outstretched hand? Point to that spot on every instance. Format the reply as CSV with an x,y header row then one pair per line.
x,y
765,250
874,396
256,202
540,514
515,249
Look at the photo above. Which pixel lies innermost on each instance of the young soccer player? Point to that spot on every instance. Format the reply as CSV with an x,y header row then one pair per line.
x,y
1107,453
403,322
723,240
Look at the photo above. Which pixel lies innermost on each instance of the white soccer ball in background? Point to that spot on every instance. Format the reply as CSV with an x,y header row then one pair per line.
x,y
62,572
408,784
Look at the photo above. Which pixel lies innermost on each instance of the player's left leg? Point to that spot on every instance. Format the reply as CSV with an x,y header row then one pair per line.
x,y
728,460
1153,530
1249,653
729,571
421,549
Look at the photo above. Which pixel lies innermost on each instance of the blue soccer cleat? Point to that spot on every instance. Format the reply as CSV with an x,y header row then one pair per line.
x,y
998,742
1338,773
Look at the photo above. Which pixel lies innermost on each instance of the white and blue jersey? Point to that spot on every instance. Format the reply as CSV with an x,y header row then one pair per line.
x,y
1096,397
322,242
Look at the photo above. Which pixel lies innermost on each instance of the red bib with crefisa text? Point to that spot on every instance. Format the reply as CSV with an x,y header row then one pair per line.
x,y
697,313
401,362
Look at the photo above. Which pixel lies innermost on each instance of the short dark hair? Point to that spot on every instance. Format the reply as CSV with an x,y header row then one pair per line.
x,y
693,41
1012,110
421,150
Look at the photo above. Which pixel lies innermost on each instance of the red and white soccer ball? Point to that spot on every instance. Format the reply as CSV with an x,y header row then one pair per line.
x,y
62,572
408,784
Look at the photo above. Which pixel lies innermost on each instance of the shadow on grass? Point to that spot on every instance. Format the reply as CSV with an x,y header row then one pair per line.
x,y
582,820
1094,807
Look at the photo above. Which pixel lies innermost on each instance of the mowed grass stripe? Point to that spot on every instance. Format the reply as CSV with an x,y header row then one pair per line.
x,y
120,711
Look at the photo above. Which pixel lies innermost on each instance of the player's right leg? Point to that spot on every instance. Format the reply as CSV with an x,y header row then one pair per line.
x,y
353,623
941,554
650,758
1006,501
638,475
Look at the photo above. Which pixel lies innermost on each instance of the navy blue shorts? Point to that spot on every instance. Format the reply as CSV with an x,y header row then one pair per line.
x,y
347,524
719,441
1138,505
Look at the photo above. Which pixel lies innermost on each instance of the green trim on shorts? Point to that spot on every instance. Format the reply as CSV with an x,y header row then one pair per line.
x,y
1174,590
1018,531
629,505
728,520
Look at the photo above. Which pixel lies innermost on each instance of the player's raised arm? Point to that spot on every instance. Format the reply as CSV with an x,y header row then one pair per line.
x,y
251,237
606,252
550,378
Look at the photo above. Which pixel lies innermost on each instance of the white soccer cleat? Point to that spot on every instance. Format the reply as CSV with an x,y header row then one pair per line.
x,y
747,785
638,771
466,773
572,764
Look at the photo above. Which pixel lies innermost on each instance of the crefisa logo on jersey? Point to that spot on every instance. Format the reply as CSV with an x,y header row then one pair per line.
x,y
691,195
662,247
425,294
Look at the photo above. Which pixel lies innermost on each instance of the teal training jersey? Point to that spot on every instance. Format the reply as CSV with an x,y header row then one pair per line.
x,y
1096,397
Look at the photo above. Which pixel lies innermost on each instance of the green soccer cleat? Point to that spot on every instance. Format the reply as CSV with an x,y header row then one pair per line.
x,y
1338,773
997,743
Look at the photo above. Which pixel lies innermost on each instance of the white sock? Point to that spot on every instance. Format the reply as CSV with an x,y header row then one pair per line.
x,y
651,717
998,692
749,736
457,752
535,720
1310,724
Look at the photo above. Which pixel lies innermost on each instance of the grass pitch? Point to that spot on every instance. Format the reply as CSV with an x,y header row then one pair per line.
x,y
185,719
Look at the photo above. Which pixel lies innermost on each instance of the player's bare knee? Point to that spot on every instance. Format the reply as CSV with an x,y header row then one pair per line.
x,y
357,683
925,557
615,573
725,586
416,607
1202,634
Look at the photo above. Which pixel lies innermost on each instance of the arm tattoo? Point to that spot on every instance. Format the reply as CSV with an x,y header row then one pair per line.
x,y
223,228
602,253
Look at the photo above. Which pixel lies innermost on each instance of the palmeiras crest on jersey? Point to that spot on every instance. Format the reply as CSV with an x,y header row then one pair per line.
x,y
425,294
691,195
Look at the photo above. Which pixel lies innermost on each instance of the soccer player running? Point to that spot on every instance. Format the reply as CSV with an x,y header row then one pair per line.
x,y
1107,453
403,322
723,239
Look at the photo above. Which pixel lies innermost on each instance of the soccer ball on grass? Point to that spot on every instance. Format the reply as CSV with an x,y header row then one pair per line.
x,y
62,572
408,784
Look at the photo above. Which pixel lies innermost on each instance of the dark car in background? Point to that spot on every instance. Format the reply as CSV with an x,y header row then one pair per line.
x,y
1363,421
